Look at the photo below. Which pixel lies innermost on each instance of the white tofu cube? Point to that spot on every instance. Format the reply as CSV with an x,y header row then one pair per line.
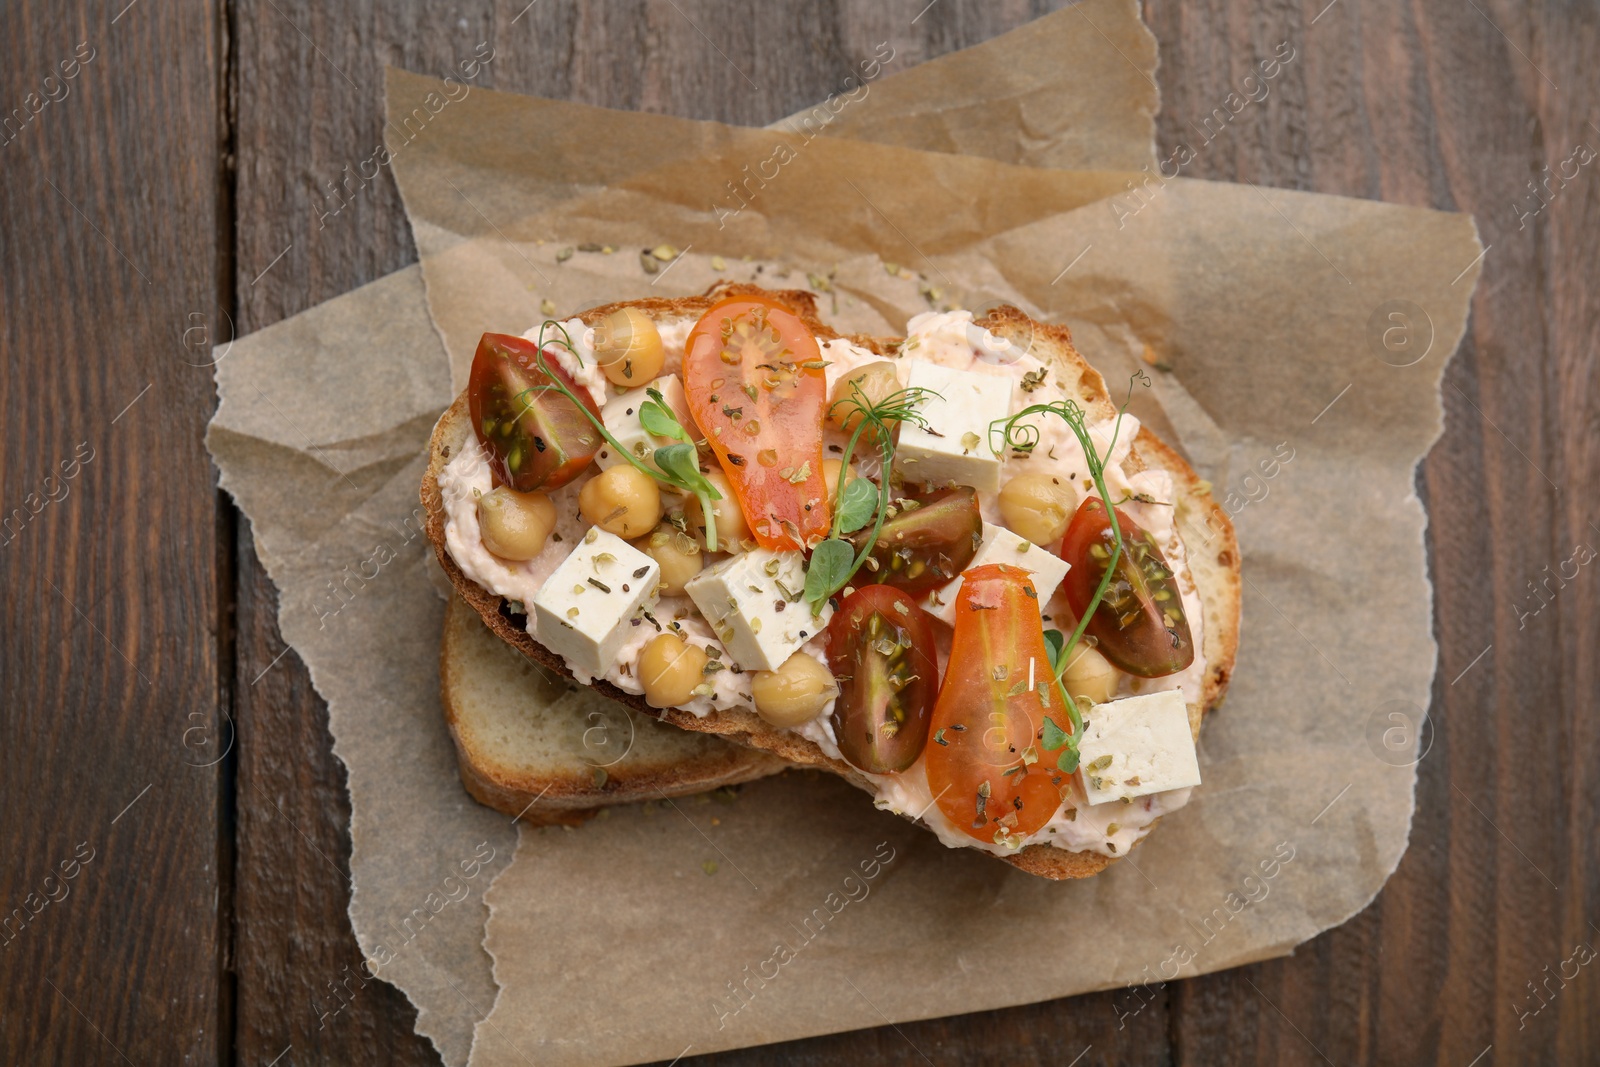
x,y
1136,746
585,609
1000,545
752,602
954,449
621,416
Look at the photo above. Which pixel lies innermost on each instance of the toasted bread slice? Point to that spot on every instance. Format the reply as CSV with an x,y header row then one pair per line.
x,y
537,745
1213,552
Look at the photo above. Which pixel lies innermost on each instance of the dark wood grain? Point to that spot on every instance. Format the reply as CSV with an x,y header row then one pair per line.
x,y
308,92
1453,106
113,634
190,162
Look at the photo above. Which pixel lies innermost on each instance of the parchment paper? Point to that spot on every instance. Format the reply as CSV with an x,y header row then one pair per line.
x,y
323,490
330,488
1272,310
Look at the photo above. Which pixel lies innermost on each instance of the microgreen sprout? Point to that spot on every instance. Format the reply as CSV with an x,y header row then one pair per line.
x,y
834,561
679,463
1022,437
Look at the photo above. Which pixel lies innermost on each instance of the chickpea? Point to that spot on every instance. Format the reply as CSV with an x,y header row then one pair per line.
x,y
1038,506
671,669
830,474
628,347
1089,674
622,500
677,554
731,527
794,693
878,380
515,525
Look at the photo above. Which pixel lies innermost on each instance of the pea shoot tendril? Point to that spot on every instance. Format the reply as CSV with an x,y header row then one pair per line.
x,y
834,562
1022,437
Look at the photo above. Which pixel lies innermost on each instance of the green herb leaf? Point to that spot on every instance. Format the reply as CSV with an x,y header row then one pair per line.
x,y
682,464
857,505
831,563
1053,736
1056,642
1068,761
657,421
657,418
880,419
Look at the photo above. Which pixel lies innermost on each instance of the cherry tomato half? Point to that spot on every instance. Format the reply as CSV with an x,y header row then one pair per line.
x,y
928,546
753,373
880,648
1140,623
534,436
984,764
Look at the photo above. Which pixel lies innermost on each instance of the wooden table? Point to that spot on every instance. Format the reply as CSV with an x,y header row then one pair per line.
x,y
164,198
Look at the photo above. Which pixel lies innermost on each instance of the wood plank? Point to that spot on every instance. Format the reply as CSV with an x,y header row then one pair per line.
x,y
113,639
1448,106
309,100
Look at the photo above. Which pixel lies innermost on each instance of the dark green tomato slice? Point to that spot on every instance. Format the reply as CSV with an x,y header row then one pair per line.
x,y
880,648
1140,622
535,437
927,546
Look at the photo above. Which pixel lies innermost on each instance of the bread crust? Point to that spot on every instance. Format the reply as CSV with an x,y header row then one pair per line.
x,y
1051,343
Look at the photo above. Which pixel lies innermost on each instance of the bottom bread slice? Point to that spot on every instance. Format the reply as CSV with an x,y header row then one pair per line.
x,y
530,742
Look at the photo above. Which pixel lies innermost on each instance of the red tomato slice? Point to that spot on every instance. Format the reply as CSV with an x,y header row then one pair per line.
x,y
984,764
753,373
880,648
534,436
1140,623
